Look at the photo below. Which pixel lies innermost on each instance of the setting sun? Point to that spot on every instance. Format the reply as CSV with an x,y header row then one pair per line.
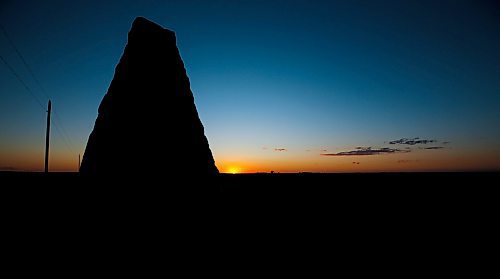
x,y
233,170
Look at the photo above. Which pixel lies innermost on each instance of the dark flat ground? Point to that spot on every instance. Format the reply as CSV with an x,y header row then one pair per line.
x,y
264,182
398,200
427,215
414,191
275,177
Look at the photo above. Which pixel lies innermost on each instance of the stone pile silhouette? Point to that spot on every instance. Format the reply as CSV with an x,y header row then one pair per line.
x,y
147,122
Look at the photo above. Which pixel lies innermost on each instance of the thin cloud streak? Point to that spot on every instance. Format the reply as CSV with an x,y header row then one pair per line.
x,y
367,151
413,141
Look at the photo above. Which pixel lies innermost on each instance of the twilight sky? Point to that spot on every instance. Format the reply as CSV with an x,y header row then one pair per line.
x,y
323,86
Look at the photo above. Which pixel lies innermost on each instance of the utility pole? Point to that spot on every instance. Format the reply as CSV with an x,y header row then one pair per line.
x,y
79,162
47,136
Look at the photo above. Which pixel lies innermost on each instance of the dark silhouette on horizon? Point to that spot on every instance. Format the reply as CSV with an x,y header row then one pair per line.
x,y
147,121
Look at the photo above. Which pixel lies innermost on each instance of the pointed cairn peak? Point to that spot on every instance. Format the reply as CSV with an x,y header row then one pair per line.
x,y
141,23
148,124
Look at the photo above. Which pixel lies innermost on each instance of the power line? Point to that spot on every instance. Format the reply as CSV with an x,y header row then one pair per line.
x,y
57,121
64,132
22,82
24,61
60,130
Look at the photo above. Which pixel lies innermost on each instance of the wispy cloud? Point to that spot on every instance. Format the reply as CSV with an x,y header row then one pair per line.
x,y
433,147
280,149
412,141
367,151
419,141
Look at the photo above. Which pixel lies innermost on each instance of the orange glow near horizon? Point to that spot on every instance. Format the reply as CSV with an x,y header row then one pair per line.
x,y
236,166
292,162
418,161
233,170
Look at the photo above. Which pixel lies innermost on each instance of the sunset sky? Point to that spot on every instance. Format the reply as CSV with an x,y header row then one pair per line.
x,y
285,86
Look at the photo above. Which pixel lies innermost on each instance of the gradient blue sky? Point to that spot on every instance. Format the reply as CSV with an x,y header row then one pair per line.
x,y
312,77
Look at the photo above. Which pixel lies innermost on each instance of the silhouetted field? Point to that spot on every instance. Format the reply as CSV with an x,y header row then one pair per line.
x,y
430,198
265,182
331,182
